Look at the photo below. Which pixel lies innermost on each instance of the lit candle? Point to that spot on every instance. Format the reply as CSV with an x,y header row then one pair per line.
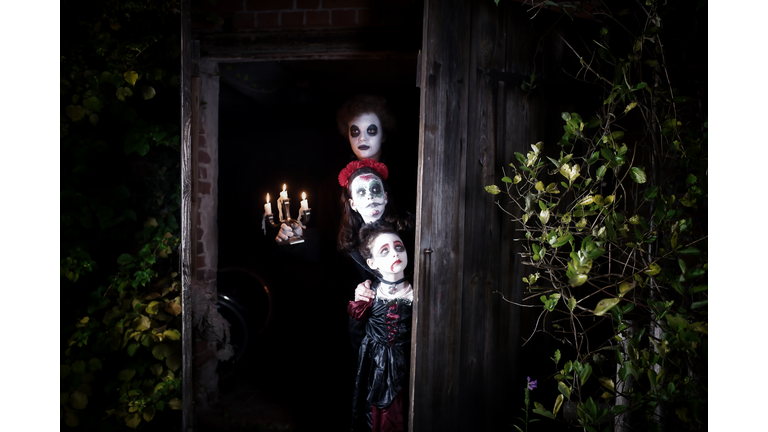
x,y
268,207
284,193
304,204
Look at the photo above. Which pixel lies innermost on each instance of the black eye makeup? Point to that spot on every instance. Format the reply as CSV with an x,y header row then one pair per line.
x,y
354,131
372,130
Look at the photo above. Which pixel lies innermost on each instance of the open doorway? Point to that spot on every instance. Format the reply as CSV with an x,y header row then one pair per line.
x,y
277,125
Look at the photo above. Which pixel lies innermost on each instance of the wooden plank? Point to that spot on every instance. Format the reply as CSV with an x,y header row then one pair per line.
x,y
478,363
381,42
441,181
187,422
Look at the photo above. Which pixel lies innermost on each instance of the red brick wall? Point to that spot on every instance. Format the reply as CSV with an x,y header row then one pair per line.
x,y
205,271
271,15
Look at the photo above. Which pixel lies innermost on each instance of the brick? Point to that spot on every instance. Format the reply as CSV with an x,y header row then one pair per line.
x,y
318,19
291,19
209,275
200,261
200,233
365,17
342,18
223,8
268,20
268,5
201,142
203,157
337,4
307,4
244,20
199,218
204,187
201,128
200,247
203,173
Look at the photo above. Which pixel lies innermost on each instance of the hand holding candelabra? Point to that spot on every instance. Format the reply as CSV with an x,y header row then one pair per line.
x,y
284,209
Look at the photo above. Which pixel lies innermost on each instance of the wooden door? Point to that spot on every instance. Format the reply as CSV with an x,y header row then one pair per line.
x,y
474,116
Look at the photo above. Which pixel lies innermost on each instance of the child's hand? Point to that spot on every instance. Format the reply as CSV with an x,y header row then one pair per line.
x,y
363,292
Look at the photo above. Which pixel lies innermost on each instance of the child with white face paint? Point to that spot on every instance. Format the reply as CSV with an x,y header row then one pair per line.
x,y
366,136
381,385
368,197
364,200
366,121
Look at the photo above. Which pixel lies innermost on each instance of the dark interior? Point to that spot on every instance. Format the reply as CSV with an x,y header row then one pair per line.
x,y
277,125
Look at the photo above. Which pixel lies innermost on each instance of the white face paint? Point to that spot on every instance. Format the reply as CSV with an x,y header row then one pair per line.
x,y
389,256
365,136
368,197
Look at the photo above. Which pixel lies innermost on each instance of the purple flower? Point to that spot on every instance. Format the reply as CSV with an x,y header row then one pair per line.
x,y
531,384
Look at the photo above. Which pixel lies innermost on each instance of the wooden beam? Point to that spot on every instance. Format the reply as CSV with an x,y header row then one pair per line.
x,y
187,422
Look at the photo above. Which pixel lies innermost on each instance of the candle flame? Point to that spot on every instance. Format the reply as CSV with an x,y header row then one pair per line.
x,y
303,196
267,198
283,187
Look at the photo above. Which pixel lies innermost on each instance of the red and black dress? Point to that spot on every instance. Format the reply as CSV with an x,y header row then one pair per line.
x,y
381,385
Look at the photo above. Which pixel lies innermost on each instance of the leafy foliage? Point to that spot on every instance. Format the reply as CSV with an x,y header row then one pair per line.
x,y
119,98
615,227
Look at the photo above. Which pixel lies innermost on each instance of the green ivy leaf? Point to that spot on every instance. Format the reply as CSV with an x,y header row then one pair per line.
x,y
564,389
175,403
74,112
585,373
161,351
78,400
132,420
123,92
173,362
653,269
78,367
699,304
558,404
126,374
605,305
131,77
172,334
571,303
577,280
147,92
637,174
607,383
492,189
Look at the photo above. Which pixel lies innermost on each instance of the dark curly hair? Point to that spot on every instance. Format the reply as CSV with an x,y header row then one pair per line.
x,y
365,104
368,234
351,221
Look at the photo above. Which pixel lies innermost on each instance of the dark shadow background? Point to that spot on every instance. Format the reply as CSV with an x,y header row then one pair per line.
x,y
277,124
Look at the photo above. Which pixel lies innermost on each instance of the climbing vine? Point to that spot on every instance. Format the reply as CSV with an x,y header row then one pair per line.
x,y
614,223
119,99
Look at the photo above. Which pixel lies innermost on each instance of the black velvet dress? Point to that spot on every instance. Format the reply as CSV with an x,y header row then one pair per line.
x,y
381,385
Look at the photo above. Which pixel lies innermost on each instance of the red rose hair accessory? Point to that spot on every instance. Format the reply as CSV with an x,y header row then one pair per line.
x,y
353,166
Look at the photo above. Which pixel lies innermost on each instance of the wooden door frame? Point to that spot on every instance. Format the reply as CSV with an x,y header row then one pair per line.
x,y
190,80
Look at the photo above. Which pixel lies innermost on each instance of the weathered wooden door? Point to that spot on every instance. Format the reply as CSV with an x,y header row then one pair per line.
x,y
474,116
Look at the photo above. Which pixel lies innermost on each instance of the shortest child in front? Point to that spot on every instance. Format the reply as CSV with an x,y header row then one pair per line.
x,y
381,385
